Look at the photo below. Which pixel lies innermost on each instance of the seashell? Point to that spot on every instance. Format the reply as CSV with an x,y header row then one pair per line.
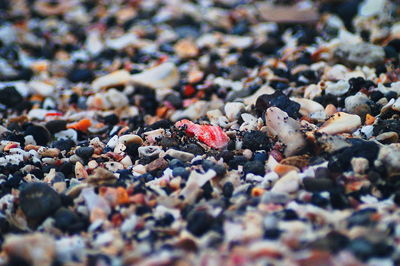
x,y
286,129
162,76
130,138
116,78
213,136
341,123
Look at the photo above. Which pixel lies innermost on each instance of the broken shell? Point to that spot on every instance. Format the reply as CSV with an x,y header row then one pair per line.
x,y
116,78
286,129
162,76
149,151
130,138
341,123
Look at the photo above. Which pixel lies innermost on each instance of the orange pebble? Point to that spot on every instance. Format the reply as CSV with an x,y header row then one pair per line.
x,y
257,191
369,119
122,196
82,125
161,111
282,169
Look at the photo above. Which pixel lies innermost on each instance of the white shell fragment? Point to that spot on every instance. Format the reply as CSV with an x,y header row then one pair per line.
x,y
341,123
162,76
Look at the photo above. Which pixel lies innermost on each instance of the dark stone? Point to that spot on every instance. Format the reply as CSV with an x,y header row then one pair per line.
x,y
63,144
167,142
227,189
256,140
318,200
280,100
39,133
180,171
111,119
272,233
236,161
317,184
199,222
361,248
338,200
361,218
237,72
176,163
38,201
254,167
132,149
84,152
194,149
80,75
175,100
55,126
68,221
333,241
10,97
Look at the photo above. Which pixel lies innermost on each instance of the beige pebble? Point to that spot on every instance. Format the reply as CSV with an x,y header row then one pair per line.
x,y
289,183
130,138
162,76
119,77
80,171
341,123
360,165
181,155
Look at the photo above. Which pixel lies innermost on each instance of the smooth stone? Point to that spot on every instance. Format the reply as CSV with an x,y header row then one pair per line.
x,y
358,104
55,126
119,77
360,54
181,155
232,110
84,152
317,184
38,201
340,122
275,197
289,183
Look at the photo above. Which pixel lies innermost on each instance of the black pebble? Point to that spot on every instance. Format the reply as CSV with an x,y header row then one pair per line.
x,y
38,201
55,126
227,189
280,100
63,144
199,223
66,220
84,152
80,75
255,140
10,97
111,119
39,133
317,184
254,167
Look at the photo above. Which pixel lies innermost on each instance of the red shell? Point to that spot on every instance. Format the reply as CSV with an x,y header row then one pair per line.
x,y
213,136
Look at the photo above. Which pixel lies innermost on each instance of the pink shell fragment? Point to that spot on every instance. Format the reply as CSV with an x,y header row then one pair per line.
x,y
213,136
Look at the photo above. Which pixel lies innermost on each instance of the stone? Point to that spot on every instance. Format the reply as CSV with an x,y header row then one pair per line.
x,y
116,78
317,184
38,201
358,104
84,152
181,155
340,122
360,54
157,164
286,129
289,183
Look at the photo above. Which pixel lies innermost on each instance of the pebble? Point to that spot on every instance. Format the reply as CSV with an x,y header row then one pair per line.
x,y
157,164
317,184
10,97
55,126
358,104
341,123
275,197
181,155
84,152
338,88
39,133
232,110
42,88
38,201
286,129
288,183
360,54
119,77
162,76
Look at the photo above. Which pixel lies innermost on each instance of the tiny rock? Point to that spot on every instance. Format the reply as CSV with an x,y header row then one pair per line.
x,y
341,123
